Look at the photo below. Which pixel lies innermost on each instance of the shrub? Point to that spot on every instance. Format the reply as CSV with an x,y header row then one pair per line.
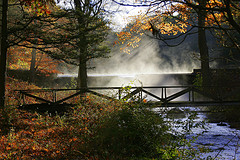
x,y
131,132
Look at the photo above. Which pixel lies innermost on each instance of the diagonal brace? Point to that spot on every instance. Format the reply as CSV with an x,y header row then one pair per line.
x,y
178,94
153,95
36,97
101,95
129,95
73,95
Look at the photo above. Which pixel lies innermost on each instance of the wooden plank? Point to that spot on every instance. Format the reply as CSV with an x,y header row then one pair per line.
x,y
200,104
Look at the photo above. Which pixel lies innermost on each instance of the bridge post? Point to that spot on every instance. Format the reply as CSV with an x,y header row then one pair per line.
x,y
119,93
164,92
140,95
191,95
23,97
54,96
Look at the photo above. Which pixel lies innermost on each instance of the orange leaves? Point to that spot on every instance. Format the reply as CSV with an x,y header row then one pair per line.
x,y
123,36
144,101
212,19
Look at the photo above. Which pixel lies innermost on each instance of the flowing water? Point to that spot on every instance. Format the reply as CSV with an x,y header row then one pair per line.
x,y
220,138
222,141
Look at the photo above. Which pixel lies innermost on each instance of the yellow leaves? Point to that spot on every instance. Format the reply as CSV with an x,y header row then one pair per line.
x,y
214,3
211,19
34,148
123,36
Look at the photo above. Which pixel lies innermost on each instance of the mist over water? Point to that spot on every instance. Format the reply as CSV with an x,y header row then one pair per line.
x,y
148,58
150,64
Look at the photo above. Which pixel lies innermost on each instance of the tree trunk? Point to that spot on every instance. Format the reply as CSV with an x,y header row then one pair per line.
x,y
82,74
82,70
32,66
4,47
203,48
0,25
5,121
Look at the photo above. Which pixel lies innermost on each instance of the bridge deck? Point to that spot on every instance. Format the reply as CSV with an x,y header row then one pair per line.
x,y
196,104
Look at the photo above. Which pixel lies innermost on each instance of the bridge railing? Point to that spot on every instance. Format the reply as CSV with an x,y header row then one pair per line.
x,y
162,94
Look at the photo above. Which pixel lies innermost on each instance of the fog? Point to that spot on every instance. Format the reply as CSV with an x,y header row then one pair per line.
x,y
148,58
150,64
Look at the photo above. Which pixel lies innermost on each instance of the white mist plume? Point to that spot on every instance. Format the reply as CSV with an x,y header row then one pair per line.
x,y
145,64
148,58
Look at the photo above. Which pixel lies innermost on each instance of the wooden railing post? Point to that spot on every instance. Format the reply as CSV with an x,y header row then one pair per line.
x,y
54,96
119,93
140,95
192,94
162,93
23,98
165,92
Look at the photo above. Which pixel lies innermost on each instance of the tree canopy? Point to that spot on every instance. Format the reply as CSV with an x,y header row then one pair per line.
x,y
177,19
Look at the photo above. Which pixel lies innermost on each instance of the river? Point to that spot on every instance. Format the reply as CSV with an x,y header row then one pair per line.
x,y
220,138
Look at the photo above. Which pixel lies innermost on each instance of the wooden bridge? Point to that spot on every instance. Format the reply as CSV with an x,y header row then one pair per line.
x,y
165,96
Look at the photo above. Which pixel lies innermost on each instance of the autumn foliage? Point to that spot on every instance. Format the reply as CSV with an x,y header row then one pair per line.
x,y
21,58
174,18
